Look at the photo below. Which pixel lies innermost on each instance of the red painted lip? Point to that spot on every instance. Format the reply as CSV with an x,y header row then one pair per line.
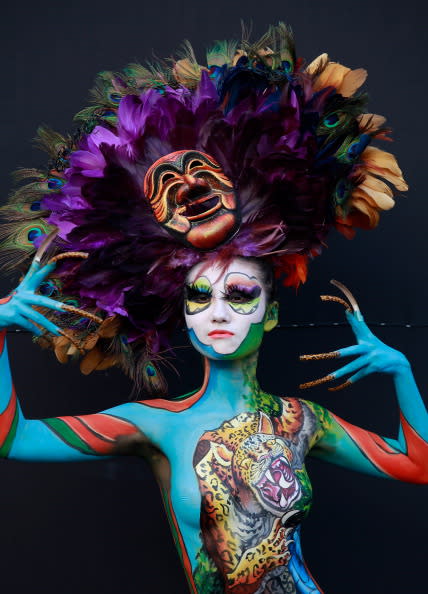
x,y
220,333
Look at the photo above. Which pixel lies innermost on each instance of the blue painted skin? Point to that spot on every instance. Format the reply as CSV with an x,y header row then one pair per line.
x,y
176,434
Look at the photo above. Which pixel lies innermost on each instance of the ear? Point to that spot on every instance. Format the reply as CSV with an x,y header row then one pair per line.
x,y
271,316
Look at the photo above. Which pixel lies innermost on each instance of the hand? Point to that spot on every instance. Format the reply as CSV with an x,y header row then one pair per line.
x,y
16,309
373,356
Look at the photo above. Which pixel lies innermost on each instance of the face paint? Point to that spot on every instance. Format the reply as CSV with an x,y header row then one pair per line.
x,y
198,295
242,292
225,311
192,199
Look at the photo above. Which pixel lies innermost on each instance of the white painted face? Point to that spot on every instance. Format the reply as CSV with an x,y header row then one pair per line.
x,y
222,306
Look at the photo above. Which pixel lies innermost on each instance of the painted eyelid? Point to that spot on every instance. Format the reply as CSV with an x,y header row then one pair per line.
x,y
253,291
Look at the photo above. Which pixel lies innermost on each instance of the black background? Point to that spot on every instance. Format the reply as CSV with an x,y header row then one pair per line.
x,y
99,527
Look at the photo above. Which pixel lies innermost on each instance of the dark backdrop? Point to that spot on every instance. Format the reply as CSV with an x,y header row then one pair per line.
x,y
99,527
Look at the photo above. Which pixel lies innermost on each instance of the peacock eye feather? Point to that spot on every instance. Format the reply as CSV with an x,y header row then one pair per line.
x,y
55,183
331,121
34,233
49,288
115,97
287,66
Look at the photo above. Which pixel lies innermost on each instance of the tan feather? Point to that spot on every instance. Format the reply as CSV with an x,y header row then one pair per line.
x,y
352,81
317,65
370,122
91,361
385,165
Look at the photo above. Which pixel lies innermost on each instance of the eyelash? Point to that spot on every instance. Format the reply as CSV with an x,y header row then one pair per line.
x,y
198,294
233,293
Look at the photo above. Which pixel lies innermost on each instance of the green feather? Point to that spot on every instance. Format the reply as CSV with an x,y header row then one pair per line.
x,y
221,53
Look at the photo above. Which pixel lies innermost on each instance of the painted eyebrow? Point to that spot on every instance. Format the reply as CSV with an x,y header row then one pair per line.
x,y
253,290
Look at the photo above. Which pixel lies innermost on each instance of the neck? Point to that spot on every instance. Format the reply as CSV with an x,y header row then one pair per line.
x,y
231,381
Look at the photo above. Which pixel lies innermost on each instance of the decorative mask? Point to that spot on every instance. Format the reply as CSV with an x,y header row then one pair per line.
x,y
192,199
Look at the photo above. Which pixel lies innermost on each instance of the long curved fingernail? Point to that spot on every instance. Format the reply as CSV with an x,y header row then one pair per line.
x,y
317,382
340,386
82,312
319,356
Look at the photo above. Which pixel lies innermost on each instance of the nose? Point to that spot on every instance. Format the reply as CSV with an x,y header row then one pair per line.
x,y
220,312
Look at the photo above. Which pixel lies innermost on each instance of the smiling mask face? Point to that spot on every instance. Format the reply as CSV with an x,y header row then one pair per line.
x,y
225,311
192,199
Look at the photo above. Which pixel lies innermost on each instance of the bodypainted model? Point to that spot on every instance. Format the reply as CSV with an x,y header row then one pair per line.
x,y
181,196
229,458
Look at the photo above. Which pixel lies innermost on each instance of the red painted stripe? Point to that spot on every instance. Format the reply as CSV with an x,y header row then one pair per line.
x,y
99,431
8,298
7,416
179,405
101,446
2,341
107,426
411,467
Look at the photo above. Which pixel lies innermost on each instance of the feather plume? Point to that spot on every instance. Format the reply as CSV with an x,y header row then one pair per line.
x,y
293,141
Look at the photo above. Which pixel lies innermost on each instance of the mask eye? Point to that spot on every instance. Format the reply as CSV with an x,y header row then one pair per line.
x,y
195,164
167,176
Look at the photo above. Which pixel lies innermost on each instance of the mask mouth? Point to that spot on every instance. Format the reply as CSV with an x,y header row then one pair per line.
x,y
201,208
278,485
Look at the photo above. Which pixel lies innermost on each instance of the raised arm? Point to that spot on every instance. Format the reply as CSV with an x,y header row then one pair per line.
x,y
115,431
404,458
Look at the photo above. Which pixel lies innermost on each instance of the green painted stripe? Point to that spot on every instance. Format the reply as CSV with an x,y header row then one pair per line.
x,y
5,448
164,493
60,428
184,396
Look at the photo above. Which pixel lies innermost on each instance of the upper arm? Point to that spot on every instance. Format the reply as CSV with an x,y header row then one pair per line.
x,y
356,448
130,428
80,437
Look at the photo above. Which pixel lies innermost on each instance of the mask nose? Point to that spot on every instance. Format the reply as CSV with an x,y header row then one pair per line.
x,y
192,188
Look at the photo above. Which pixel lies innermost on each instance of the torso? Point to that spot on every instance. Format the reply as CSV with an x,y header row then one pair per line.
x,y
236,489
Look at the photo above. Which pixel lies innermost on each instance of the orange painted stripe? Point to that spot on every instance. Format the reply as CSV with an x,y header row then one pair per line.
x,y
7,416
99,445
412,467
107,426
179,405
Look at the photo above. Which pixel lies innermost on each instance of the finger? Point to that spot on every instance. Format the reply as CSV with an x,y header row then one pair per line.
x,y
39,276
354,378
34,267
358,325
40,319
351,367
27,325
42,301
345,370
356,349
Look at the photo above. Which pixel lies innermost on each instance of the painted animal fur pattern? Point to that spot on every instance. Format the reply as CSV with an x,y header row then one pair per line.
x,y
255,490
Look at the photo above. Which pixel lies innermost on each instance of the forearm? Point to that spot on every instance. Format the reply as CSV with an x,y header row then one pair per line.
x,y
411,405
9,406
404,458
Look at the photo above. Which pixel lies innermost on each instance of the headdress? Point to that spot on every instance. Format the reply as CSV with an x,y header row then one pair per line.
x,y
255,154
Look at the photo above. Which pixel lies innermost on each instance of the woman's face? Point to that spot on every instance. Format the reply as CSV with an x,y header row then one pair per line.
x,y
225,310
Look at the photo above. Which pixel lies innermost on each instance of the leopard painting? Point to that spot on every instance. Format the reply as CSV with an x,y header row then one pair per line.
x,y
255,491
